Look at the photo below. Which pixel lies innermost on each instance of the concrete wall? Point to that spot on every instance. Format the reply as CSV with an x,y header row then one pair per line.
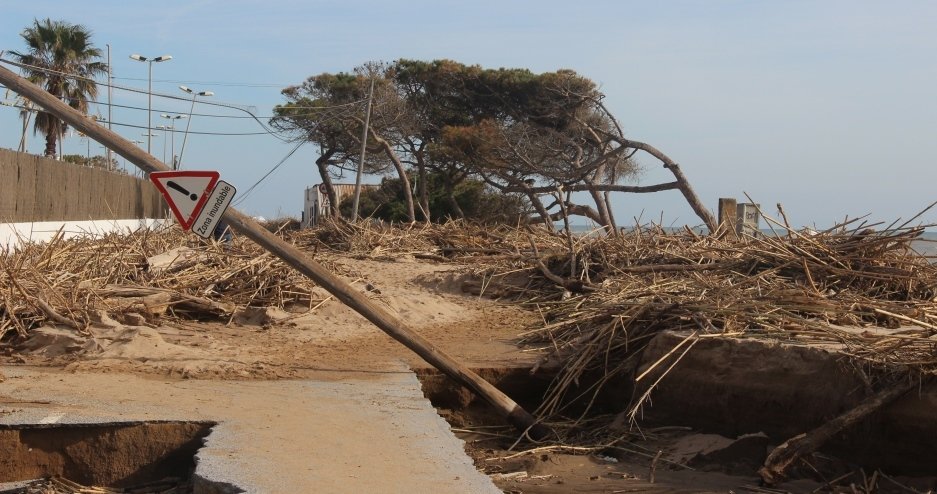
x,y
33,188
40,197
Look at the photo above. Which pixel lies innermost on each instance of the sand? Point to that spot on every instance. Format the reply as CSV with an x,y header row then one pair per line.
x,y
333,345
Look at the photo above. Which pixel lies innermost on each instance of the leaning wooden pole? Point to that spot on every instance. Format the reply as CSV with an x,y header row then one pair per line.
x,y
243,224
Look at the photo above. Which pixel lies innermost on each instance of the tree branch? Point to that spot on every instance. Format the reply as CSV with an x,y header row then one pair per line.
x,y
638,189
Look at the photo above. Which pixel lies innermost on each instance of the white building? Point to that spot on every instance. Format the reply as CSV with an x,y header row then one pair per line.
x,y
316,201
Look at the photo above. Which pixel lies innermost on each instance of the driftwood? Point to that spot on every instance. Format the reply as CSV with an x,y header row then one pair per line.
x,y
785,455
156,300
55,316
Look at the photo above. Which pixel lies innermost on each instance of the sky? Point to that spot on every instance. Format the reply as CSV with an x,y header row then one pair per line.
x,y
826,107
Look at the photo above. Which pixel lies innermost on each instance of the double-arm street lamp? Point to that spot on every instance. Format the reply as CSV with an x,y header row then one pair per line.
x,y
149,107
185,137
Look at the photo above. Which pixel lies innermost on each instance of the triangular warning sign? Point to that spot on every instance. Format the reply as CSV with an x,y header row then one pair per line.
x,y
186,192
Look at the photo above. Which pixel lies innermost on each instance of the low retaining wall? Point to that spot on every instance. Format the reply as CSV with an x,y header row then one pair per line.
x,y
13,235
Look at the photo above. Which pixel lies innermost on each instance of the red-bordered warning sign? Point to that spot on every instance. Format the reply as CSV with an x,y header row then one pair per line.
x,y
186,192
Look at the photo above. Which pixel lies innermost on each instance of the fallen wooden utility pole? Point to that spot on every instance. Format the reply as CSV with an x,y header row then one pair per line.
x,y
243,224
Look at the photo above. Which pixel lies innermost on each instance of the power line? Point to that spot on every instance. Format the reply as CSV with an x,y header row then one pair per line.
x,y
179,98
157,128
270,172
170,96
197,133
207,83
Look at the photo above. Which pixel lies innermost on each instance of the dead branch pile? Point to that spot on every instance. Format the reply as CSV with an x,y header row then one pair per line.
x,y
602,298
144,274
869,293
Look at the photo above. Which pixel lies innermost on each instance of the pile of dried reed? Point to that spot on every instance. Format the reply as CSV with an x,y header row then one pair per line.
x,y
601,297
867,292
146,273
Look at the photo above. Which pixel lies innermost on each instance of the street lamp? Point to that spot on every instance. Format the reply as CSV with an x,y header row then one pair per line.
x,y
149,92
135,141
148,136
165,128
173,138
185,137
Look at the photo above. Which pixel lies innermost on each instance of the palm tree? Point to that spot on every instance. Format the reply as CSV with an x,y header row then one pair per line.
x,y
63,61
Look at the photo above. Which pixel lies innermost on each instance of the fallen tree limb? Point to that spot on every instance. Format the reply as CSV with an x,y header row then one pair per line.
x,y
55,316
635,189
795,448
176,299
573,285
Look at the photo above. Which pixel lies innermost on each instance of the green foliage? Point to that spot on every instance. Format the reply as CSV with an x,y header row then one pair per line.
x,y
61,59
477,202
462,125
94,161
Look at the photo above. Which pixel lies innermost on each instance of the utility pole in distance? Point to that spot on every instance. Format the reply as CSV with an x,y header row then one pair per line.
x,y
364,145
110,87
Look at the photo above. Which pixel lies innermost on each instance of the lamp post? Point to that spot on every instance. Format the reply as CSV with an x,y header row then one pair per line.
x,y
175,165
149,92
185,137
149,136
135,169
165,128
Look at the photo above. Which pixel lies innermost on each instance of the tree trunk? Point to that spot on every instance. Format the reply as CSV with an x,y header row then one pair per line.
x,y
611,215
600,205
51,139
781,459
538,205
323,164
401,172
600,208
682,183
450,194
422,189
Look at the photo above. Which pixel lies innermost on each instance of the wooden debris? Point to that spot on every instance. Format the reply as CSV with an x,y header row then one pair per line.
x,y
150,274
784,456
158,300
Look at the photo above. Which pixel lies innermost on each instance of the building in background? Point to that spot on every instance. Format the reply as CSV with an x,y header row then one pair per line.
x,y
316,201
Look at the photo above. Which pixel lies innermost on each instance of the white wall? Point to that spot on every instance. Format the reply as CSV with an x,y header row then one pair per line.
x,y
13,234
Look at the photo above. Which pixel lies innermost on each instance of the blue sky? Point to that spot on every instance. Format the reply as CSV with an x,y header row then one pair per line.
x,y
829,108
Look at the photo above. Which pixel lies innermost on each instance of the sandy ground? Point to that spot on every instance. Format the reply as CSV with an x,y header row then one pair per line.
x,y
323,388
258,368
364,433
297,343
